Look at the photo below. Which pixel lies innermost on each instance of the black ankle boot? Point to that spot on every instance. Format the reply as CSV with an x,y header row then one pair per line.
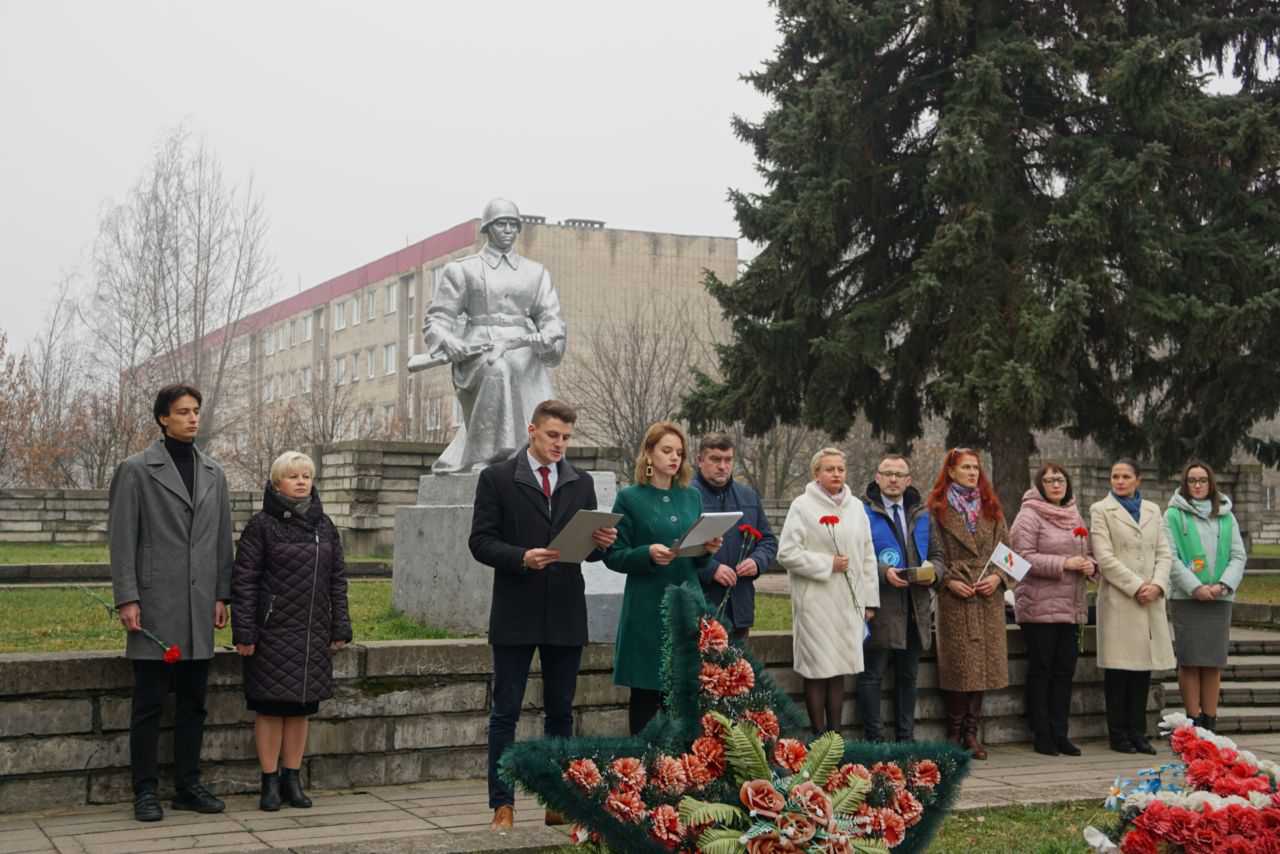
x,y
1209,722
269,801
291,788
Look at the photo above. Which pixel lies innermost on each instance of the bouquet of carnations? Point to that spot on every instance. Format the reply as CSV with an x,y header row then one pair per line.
x,y
1217,799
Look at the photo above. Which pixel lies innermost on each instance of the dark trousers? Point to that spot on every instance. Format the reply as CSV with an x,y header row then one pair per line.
x,y
642,707
1051,665
1126,693
152,680
906,664
510,675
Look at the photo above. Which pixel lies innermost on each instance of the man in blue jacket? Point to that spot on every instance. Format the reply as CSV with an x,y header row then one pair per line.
x,y
903,627
729,575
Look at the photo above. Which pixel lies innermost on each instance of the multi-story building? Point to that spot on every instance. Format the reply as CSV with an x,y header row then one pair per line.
x,y
339,349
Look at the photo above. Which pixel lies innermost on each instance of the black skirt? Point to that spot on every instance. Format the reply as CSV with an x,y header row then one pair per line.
x,y
278,709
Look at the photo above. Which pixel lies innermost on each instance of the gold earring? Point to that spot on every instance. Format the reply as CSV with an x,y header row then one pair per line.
x,y
648,469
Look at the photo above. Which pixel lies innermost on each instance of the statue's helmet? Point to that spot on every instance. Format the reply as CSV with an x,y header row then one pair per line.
x,y
498,209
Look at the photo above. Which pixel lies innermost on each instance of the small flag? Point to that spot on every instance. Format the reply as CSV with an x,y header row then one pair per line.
x,y
1010,561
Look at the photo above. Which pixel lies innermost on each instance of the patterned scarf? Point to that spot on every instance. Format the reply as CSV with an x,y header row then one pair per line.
x,y
967,501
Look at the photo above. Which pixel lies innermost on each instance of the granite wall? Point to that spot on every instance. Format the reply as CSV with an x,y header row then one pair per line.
x,y
405,711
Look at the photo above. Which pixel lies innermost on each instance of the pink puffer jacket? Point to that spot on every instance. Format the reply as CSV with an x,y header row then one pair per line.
x,y
1042,533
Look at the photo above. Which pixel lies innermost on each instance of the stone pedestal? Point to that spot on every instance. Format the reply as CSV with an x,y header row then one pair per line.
x,y
437,582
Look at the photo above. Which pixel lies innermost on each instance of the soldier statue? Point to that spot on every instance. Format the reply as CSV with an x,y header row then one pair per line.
x,y
495,319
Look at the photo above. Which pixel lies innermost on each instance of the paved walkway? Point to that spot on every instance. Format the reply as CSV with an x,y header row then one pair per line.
x,y
424,817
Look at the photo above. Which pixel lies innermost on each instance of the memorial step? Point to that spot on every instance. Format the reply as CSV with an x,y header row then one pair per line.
x,y
1236,694
1244,718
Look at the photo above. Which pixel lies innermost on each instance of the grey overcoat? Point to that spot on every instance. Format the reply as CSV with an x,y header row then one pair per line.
x,y
169,553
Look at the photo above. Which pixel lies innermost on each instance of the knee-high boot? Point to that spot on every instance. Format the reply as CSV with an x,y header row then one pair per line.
x,y
972,718
956,705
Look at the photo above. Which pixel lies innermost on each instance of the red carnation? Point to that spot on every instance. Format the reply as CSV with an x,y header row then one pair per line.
x,y
630,772
839,778
1203,750
711,752
892,773
738,679
1236,844
712,636
664,826
669,776
584,774
1138,841
172,654
626,805
766,721
925,774
709,678
1080,532
1182,738
829,520
909,807
790,754
894,828
696,770
712,727
749,531
1202,773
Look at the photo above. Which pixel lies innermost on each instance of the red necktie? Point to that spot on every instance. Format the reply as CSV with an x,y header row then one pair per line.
x,y
546,481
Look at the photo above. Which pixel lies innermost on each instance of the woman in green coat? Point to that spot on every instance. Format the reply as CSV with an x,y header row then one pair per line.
x,y
656,511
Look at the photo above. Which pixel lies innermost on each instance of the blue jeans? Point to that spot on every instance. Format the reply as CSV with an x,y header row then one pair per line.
x,y
906,664
510,675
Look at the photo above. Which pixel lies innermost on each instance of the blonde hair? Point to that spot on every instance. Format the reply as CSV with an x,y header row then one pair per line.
x,y
652,437
825,452
290,462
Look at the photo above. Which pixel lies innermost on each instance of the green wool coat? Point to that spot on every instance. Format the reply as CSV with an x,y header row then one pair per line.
x,y
649,515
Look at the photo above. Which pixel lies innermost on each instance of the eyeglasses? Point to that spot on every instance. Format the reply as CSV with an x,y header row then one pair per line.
x,y
1054,481
894,475
1197,481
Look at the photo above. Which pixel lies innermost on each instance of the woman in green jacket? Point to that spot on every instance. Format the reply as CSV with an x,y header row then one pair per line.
x,y
656,511
1208,565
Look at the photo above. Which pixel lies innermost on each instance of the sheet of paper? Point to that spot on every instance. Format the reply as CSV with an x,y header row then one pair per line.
x,y
1010,561
574,540
708,527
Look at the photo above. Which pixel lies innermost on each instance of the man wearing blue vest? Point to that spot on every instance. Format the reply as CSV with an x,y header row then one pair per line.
x,y
903,627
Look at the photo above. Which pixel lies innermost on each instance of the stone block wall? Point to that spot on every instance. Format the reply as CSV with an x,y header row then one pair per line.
x,y
1268,532
363,482
404,711
78,515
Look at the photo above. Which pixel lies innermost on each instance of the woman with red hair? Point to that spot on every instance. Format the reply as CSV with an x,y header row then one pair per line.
x,y
966,520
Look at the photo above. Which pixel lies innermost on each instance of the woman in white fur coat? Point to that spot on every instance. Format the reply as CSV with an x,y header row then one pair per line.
x,y
835,588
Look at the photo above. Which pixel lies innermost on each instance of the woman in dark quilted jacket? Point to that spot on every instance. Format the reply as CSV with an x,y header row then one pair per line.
x,y
288,615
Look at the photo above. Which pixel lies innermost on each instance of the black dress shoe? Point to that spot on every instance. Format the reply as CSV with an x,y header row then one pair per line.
x,y
269,800
1045,745
1142,745
1065,747
1121,744
291,788
198,799
146,806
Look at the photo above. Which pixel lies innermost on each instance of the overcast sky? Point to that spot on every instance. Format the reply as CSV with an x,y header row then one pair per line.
x,y
368,125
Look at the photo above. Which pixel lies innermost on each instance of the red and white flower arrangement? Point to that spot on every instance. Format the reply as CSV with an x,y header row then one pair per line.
x,y
1219,798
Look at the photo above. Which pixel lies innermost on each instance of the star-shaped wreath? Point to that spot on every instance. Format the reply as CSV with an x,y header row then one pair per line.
x,y
721,770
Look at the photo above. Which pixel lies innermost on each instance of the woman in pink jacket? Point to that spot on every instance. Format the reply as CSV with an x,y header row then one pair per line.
x,y
1049,602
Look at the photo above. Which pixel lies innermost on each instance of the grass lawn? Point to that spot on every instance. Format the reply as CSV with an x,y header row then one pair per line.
x,y
57,619
28,553
773,613
1267,550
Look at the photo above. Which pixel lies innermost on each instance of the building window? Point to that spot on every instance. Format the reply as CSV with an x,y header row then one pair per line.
x,y
306,380
355,312
370,303
339,316
268,393
340,370
372,362
268,343
393,297
306,328
388,414
355,367
389,359
433,414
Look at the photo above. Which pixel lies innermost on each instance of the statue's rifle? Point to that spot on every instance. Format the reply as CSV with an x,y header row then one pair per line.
x,y
495,349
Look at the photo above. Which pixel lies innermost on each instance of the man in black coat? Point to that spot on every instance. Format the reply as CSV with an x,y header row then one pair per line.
x,y
538,601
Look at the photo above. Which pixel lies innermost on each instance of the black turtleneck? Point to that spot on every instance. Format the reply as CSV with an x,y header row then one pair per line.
x,y
184,457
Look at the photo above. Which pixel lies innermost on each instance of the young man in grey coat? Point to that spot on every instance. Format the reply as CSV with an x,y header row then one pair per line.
x,y
171,557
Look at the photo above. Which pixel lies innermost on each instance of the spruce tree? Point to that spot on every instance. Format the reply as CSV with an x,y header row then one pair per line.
x,y
1016,216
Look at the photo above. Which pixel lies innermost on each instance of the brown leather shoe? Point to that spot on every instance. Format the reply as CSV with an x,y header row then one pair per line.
x,y
504,817
554,819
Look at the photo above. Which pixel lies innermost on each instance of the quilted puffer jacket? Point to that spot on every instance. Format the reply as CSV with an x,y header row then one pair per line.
x,y
289,599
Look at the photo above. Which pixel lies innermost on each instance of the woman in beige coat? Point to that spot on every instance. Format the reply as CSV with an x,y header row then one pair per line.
x,y
1132,550
835,588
